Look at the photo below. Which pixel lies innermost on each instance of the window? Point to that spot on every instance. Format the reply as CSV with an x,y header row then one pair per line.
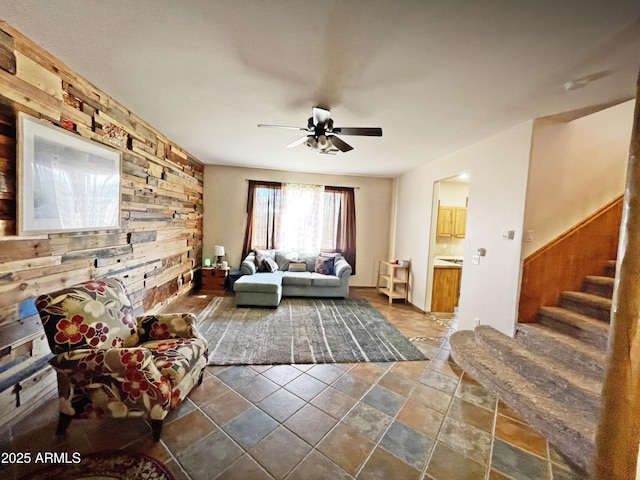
x,y
300,217
266,205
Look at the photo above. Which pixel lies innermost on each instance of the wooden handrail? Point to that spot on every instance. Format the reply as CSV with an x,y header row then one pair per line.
x,y
619,420
562,264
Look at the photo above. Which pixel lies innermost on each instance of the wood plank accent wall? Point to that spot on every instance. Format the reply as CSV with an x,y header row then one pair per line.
x,y
562,264
158,247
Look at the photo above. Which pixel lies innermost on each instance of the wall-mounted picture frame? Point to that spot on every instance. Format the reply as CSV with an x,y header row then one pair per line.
x,y
65,182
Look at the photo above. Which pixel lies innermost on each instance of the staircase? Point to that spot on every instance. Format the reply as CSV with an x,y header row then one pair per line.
x,y
551,373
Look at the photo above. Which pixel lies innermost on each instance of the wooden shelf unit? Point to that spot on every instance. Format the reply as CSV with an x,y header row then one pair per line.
x,y
393,280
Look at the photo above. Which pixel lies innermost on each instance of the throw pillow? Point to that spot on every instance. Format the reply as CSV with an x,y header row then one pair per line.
x,y
325,265
269,265
260,256
283,258
310,259
297,266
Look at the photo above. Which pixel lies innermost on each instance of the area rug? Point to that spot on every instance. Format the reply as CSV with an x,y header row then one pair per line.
x,y
302,330
102,466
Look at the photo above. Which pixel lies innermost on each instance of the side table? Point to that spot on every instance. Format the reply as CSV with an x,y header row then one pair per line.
x,y
214,279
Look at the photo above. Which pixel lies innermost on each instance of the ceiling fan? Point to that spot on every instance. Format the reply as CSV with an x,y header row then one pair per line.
x,y
322,135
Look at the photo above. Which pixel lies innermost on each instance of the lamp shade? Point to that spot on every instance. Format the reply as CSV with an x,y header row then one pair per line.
x,y
218,250
323,142
311,142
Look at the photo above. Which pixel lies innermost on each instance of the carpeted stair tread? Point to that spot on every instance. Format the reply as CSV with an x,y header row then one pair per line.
x,y
596,301
610,268
583,327
587,304
571,352
566,427
599,285
562,383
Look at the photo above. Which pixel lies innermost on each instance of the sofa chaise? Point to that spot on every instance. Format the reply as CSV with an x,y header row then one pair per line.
x,y
268,275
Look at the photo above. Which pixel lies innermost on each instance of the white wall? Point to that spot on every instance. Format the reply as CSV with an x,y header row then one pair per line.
x,y
497,194
498,169
453,194
225,204
576,168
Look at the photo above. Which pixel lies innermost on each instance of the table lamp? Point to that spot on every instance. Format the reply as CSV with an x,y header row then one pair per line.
x,y
218,252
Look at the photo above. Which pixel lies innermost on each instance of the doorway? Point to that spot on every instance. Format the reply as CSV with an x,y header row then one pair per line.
x,y
449,217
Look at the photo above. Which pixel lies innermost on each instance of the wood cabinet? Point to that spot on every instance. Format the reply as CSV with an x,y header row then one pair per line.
x,y
446,288
214,279
393,280
460,222
452,222
445,221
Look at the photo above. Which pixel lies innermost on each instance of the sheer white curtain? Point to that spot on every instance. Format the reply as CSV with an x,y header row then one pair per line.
x,y
301,217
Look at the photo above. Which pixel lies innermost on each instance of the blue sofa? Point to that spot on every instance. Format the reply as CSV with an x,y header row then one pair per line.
x,y
266,288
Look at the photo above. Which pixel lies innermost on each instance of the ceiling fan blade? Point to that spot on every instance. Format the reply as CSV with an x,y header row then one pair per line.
x,y
297,142
320,115
366,131
340,144
303,129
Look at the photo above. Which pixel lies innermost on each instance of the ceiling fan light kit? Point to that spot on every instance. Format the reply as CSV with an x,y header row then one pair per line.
x,y
321,135
311,142
322,144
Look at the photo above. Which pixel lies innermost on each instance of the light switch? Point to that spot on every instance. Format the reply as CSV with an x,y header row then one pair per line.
x,y
508,234
475,259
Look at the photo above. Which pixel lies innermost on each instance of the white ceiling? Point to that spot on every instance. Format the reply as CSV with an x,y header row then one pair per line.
x,y
435,75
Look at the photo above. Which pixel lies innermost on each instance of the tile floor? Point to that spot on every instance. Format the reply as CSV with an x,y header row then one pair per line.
x,y
403,420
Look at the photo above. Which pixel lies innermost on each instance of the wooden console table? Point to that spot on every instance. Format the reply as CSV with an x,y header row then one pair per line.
x,y
393,280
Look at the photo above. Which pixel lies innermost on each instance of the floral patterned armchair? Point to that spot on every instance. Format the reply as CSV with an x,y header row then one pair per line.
x,y
110,363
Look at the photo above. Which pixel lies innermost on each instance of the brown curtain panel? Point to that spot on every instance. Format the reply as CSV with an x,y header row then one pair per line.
x,y
346,231
267,196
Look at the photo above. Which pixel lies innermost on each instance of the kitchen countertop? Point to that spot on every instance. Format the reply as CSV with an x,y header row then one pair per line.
x,y
438,263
